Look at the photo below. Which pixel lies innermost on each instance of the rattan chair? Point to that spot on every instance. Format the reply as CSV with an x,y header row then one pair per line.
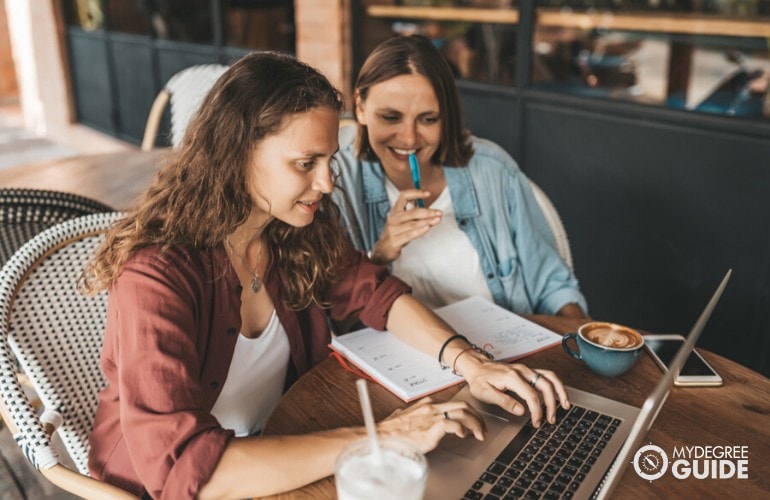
x,y
26,212
56,334
185,91
554,223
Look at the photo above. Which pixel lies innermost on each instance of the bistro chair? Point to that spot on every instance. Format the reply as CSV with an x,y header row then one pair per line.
x,y
26,212
55,333
555,223
185,91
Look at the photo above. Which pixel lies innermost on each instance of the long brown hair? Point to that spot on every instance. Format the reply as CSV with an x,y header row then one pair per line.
x,y
416,55
201,194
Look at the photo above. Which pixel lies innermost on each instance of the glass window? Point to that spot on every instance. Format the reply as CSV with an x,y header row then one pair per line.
x,y
259,24
478,37
182,20
710,56
128,17
84,14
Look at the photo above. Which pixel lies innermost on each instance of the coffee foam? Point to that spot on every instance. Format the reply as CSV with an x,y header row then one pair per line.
x,y
613,336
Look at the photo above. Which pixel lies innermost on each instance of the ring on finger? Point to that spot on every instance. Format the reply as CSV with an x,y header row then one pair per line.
x,y
534,380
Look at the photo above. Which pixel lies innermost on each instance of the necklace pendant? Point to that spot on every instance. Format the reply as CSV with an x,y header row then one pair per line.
x,y
256,284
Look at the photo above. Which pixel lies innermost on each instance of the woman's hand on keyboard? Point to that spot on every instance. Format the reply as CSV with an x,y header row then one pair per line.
x,y
425,423
490,382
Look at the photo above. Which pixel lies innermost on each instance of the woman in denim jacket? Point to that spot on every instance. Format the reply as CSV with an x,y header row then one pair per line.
x,y
481,232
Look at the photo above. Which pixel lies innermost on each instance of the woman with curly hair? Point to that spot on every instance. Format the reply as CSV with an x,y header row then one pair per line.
x,y
220,282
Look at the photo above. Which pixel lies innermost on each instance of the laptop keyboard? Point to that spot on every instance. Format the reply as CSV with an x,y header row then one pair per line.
x,y
550,462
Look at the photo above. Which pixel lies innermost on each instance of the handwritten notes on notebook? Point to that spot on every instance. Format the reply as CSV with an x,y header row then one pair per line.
x,y
411,374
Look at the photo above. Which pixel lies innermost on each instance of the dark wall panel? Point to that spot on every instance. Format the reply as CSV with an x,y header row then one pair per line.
x,y
135,84
489,113
174,57
656,213
91,80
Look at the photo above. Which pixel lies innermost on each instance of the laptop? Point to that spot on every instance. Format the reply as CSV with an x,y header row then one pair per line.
x,y
583,455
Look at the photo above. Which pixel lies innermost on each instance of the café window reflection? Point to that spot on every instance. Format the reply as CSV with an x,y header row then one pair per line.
x,y
128,17
257,24
85,14
245,24
477,37
182,20
710,57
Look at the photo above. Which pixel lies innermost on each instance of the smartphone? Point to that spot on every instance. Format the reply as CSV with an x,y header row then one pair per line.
x,y
696,371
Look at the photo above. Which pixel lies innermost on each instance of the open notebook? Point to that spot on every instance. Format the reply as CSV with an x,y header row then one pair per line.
x,y
411,374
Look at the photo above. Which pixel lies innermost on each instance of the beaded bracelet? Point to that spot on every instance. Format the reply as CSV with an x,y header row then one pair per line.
x,y
441,351
473,347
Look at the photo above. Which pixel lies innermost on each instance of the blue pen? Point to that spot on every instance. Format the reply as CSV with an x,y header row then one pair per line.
x,y
416,176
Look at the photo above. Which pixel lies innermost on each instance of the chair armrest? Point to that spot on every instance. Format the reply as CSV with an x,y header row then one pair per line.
x,y
153,120
84,486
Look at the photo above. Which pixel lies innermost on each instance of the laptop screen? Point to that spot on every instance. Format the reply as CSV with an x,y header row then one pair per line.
x,y
654,402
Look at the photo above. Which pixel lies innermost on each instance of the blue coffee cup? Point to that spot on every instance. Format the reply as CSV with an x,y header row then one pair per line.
x,y
606,348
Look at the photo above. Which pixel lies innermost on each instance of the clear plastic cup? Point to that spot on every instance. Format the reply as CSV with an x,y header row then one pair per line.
x,y
401,475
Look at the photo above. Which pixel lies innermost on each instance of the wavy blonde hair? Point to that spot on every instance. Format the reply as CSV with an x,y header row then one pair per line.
x,y
201,194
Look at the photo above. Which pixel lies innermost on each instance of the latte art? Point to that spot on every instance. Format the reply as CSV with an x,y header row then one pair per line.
x,y
606,348
612,337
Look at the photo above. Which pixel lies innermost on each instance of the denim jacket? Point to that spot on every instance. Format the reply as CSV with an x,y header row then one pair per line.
x,y
496,209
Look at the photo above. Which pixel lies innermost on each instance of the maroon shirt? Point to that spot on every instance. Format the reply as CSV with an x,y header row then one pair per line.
x,y
172,324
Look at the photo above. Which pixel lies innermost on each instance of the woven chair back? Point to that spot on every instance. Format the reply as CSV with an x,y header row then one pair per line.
x,y
55,333
188,88
26,212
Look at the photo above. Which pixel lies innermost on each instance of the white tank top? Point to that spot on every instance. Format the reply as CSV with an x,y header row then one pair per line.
x,y
254,381
441,266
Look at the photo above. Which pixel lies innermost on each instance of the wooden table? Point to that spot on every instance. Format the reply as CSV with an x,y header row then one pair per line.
x,y
112,178
736,414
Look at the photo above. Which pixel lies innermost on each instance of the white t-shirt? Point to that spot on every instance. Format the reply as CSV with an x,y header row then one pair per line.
x,y
254,381
441,266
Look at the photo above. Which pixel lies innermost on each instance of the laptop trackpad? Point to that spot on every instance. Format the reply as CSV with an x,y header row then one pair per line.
x,y
457,463
496,419
469,447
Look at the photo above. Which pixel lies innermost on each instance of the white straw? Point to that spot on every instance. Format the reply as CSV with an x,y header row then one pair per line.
x,y
366,408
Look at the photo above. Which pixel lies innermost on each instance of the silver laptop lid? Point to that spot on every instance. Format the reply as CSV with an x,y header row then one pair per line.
x,y
654,402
